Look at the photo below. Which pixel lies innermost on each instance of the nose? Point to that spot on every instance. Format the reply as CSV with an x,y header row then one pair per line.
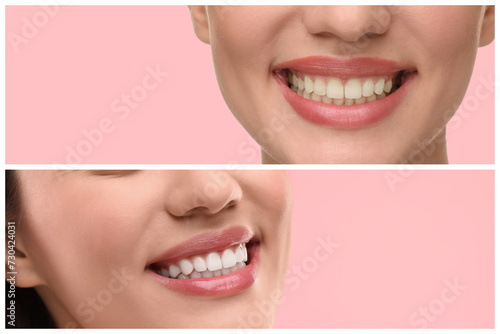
x,y
349,23
202,192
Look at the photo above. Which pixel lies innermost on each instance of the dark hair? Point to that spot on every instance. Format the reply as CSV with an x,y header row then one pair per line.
x,y
30,311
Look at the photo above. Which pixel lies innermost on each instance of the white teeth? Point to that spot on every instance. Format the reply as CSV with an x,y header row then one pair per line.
x,y
174,270
209,265
388,86
379,87
228,258
335,89
238,253
368,88
319,87
213,261
353,89
309,84
301,84
186,267
199,264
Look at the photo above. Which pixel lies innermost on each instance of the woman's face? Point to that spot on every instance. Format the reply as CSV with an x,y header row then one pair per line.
x,y
104,245
344,84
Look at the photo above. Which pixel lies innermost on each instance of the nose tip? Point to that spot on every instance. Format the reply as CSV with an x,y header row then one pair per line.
x,y
204,192
348,23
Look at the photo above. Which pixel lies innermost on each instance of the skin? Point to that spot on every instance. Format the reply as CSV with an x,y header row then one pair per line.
x,y
77,227
439,42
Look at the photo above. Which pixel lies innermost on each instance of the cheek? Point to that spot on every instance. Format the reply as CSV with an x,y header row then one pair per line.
x,y
445,33
75,236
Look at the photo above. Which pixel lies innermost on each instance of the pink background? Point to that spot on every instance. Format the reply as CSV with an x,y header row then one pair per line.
x,y
63,80
397,245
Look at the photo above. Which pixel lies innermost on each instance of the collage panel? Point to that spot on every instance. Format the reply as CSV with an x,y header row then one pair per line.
x,y
249,85
250,249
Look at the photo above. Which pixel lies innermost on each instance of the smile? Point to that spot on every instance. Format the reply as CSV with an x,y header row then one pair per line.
x,y
212,264
343,93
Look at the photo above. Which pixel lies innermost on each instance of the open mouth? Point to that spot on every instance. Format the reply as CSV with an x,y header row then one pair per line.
x,y
218,263
343,93
347,92
207,265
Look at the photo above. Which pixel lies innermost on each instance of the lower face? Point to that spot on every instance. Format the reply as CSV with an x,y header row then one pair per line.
x,y
158,249
310,88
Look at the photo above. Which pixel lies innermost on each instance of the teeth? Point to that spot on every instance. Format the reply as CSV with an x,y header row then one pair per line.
x,y
164,272
327,99
388,86
338,102
186,267
319,87
335,89
355,91
214,261
207,273
309,84
301,84
368,88
228,258
379,87
239,253
173,270
199,264
195,274
361,100
212,264
315,97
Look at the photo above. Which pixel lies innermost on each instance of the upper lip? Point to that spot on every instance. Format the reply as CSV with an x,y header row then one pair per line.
x,y
207,242
342,68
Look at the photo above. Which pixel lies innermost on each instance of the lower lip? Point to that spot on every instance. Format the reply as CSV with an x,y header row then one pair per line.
x,y
225,285
344,117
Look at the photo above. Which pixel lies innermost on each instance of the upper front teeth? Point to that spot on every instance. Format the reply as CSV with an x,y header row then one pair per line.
x,y
354,91
208,265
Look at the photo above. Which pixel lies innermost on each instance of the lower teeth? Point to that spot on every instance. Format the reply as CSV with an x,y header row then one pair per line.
x,y
339,102
207,273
